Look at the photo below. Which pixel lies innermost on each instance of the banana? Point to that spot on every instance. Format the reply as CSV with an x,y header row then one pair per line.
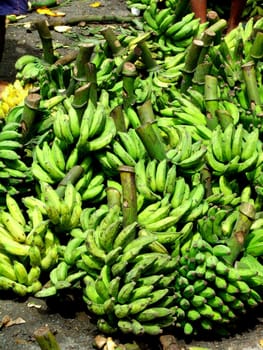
x,y
150,172
113,161
168,20
138,305
217,167
7,135
158,214
227,142
101,288
22,61
7,270
90,291
15,228
237,142
217,143
9,154
132,116
249,163
119,268
92,246
179,191
15,210
250,144
153,313
141,292
74,123
114,287
125,292
129,144
109,234
141,181
21,272
106,327
123,154
179,24
160,175
170,180
65,128
104,138
98,121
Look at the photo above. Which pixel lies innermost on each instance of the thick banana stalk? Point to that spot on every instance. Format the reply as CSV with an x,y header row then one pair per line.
x,y
240,230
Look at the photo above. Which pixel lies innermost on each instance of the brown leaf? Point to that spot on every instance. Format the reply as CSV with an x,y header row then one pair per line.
x,y
169,342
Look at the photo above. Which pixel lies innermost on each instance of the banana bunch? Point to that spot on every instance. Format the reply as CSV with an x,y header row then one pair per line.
x,y
66,125
91,186
233,150
210,294
62,211
254,239
27,246
13,170
218,224
97,127
49,163
29,68
128,291
188,156
12,96
185,112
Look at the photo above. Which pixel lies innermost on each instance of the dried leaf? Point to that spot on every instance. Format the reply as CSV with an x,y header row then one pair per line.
x,y
95,4
48,12
10,322
100,341
37,306
62,29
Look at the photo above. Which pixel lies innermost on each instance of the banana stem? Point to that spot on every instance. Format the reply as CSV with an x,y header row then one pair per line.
x,y
191,61
113,197
83,57
118,117
73,175
249,74
242,226
256,51
206,177
224,118
151,139
218,26
211,100
30,112
46,40
129,195
46,339
80,99
91,72
129,73
145,112
146,56
208,38
112,41
202,70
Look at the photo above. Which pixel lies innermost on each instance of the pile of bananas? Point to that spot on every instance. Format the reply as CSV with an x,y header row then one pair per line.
x,y
195,161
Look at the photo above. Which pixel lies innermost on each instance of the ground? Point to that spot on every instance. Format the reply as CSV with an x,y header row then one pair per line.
x,y
73,328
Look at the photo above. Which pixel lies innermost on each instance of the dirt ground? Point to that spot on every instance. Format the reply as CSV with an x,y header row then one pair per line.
x,y
72,326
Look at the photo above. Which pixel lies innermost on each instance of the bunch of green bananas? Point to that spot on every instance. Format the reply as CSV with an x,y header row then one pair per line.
x,y
13,169
28,246
210,293
233,150
29,68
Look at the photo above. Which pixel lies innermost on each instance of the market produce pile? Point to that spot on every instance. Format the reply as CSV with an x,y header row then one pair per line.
x,y
132,175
